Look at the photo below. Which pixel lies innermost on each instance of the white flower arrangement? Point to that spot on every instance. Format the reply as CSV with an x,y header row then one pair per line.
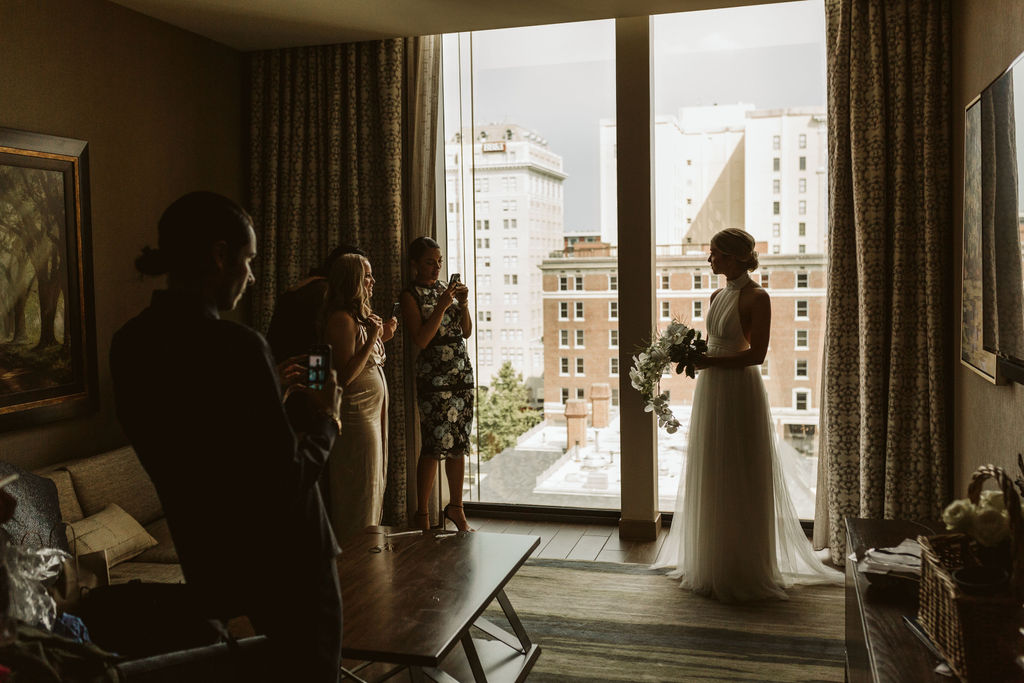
x,y
678,344
987,522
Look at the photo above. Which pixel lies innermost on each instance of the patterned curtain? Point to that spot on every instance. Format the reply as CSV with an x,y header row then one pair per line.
x,y
887,342
341,150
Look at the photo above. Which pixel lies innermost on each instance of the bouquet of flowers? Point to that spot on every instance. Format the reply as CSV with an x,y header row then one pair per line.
x,y
987,522
678,344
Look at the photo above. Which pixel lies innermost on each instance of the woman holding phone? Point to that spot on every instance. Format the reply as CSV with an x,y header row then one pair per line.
x,y
438,319
358,463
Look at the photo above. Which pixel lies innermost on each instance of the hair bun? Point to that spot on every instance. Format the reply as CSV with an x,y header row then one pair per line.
x,y
152,262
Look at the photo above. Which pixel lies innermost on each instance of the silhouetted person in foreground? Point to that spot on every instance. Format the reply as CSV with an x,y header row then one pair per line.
x,y
200,400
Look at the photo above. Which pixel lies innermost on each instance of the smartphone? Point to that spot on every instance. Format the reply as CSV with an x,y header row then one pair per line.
x,y
454,278
396,310
318,366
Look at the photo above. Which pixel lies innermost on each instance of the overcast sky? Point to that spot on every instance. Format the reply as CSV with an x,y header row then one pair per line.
x,y
559,80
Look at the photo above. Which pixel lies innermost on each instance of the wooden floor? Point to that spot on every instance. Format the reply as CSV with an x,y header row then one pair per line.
x,y
560,541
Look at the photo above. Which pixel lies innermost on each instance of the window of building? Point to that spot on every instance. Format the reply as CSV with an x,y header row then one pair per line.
x,y
801,339
801,368
613,339
801,248
563,366
613,366
579,393
509,280
563,310
801,308
801,229
666,310
698,281
764,280
565,394
563,283
776,186
613,310
698,310
803,163
801,400
615,397
802,141
483,242
776,249
483,316
563,339
776,208
764,368
776,164
579,339
665,281
802,207
801,185
579,283
579,310
613,282
776,142
801,280
579,366
776,230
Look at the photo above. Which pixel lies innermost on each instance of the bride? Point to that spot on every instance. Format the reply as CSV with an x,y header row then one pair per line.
x,y
735,535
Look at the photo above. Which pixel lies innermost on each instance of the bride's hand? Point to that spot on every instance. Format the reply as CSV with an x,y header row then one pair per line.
x,y
702,362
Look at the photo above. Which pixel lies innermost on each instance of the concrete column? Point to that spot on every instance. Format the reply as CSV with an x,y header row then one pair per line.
x,y
635,140
576,422
600,399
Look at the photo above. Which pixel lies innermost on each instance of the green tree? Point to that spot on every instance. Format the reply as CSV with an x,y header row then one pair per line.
x,y
505,412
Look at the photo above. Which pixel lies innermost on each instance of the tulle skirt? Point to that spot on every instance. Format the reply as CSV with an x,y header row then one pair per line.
x,y
735,535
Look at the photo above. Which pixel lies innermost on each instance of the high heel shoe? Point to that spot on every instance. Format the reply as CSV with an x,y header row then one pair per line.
x,y
461,527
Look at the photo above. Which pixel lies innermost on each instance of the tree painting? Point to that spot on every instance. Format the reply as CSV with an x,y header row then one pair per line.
x,y
505,413
35,344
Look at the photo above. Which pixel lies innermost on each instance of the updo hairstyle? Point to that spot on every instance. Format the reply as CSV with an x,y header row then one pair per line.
x,y
738,244
188,227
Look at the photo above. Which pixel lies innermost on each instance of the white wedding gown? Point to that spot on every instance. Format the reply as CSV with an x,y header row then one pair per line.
x,y
735,534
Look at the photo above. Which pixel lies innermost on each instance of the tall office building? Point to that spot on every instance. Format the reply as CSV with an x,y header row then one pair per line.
x,y
505,215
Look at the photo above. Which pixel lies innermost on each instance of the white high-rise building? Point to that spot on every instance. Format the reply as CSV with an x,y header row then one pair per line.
x,y
787,184
698,171
513,198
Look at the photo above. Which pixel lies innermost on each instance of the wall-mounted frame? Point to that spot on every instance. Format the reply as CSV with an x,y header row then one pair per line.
x,y
972,353
47,319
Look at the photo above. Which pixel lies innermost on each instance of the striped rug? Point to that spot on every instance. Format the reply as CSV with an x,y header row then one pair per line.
x,y
598,621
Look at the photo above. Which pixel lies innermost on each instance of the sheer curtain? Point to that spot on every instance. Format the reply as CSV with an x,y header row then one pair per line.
x,y
887,349
341,150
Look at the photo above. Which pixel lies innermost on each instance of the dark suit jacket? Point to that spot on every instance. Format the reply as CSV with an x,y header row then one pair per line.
x,y
200,401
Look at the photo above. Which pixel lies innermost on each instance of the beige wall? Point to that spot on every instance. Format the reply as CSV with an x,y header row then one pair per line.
x,y
161,110
989,420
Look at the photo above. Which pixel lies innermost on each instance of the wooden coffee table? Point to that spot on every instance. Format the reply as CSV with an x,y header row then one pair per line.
x,y
411,599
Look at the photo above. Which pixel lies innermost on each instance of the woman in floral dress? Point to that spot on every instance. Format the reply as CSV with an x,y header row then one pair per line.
x,y
438,320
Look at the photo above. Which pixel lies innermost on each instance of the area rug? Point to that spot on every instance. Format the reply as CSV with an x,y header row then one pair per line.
x,y
598,621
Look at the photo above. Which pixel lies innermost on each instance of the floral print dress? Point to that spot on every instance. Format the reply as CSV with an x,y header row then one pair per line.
x,y
444,381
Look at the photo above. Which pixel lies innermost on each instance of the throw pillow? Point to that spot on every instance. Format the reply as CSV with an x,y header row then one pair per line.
x,y
111,529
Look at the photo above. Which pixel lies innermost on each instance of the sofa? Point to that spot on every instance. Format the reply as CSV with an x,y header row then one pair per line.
x,y
108,503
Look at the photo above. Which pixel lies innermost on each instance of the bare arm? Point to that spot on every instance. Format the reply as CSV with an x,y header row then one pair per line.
x,y
422,331
757,331
349,356
465,318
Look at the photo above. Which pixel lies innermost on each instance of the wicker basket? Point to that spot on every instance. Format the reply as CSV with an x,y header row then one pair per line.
x,y
977,635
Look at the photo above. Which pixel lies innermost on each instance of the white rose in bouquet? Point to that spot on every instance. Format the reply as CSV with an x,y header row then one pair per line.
x,y
990,526
991,499
959,515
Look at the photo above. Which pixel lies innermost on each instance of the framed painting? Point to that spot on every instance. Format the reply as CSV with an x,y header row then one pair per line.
x,y
47,321
972,353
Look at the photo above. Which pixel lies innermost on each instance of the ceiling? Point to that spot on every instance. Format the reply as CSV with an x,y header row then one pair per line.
x,y
265,24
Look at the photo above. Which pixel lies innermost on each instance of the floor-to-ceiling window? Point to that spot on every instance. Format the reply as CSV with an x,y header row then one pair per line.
x,y
530,186
740,141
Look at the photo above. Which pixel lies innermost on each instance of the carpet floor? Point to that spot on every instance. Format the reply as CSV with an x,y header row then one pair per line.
x,y
597,621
